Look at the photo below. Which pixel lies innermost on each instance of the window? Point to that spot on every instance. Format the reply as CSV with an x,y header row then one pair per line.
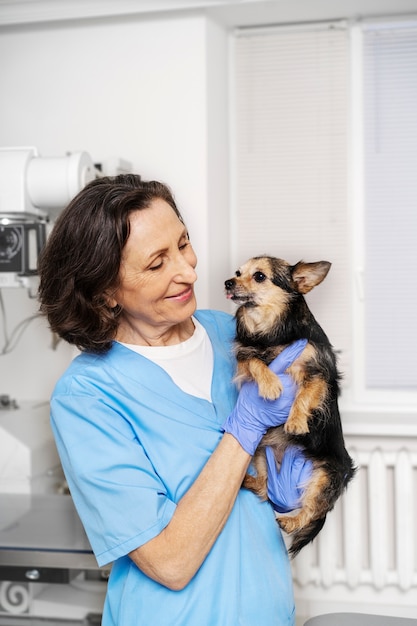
x,y
326,168
390,200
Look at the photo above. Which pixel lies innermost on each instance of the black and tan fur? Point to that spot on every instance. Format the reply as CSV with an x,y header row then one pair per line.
x,y
272,314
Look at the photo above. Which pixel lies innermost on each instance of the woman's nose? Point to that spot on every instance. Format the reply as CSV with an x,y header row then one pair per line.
x,y
185,266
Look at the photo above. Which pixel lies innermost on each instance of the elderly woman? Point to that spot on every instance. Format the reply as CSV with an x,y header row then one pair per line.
x,y
153,437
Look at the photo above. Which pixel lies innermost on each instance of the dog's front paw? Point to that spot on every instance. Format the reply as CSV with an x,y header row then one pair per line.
x,y
296,424
269,385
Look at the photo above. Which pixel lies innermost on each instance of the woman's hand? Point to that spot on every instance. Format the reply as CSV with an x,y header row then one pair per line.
x,y
253,415
286,485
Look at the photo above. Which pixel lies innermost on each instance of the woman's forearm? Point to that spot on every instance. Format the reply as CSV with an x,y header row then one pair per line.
x,y
175,555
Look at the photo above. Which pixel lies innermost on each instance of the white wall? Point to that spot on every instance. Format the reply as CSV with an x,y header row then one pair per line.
x,y
152,90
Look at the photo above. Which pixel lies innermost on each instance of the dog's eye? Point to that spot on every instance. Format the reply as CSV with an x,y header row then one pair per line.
x,y
238,273
259,277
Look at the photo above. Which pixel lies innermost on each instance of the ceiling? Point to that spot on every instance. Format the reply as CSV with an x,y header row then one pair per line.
x,y
231,13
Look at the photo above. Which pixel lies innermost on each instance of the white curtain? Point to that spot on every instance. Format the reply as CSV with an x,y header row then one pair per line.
x,y
291,141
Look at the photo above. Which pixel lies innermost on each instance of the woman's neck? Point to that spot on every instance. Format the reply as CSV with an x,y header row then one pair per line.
x,y
155,335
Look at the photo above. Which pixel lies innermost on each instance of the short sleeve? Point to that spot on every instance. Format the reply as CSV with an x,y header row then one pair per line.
x,y
119,497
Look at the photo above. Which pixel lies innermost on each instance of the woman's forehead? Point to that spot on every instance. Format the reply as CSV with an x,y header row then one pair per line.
x,y
152,217
154,228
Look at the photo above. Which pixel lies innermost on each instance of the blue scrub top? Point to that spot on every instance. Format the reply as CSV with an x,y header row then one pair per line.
x,y
131,444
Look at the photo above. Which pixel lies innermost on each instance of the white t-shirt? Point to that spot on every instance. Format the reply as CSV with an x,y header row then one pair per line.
x,y
190,364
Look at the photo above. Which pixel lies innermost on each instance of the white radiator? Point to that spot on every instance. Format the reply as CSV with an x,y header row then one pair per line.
x,y
365,558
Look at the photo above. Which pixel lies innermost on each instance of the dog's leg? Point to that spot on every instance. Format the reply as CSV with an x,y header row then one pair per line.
x,y
311,396
269,384
258,483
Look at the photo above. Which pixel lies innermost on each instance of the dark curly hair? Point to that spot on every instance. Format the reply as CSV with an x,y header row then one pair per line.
x,y
79,265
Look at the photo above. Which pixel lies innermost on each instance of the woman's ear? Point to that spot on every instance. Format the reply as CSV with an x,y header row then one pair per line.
x,y
109,298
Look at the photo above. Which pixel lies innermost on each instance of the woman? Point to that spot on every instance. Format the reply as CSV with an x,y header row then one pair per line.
x,y
153,438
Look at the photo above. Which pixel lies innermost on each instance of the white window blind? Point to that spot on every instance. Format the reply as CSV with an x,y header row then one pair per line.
x,y
291,108
390,130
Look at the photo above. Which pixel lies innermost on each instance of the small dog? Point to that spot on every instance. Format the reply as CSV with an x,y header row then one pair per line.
x,y
272,314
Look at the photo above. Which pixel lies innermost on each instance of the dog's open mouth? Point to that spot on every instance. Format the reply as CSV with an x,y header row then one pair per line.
x,y
242,298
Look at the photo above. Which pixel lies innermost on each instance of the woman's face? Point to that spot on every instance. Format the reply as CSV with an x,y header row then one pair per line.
x,y
157,274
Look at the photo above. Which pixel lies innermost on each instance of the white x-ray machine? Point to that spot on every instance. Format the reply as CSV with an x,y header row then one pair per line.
x,y
41,537
33,190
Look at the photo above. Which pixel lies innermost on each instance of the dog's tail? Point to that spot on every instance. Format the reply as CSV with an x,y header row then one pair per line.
x,y
305,535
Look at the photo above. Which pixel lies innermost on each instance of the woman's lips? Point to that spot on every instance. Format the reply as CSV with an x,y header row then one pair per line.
x,y
183,295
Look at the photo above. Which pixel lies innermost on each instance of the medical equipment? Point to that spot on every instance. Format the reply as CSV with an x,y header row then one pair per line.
x,y
41,537
32,190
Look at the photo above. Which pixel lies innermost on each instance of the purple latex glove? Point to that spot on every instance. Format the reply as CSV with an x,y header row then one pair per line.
x,y
286,486
253,415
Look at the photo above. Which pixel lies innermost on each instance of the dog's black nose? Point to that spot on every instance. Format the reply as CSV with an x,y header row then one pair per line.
x,y
229,283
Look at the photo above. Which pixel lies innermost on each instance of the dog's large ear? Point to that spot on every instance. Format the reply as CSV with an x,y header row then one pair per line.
x,y
308,275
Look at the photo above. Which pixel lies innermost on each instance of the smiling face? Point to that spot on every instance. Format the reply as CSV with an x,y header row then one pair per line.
x,y
156,279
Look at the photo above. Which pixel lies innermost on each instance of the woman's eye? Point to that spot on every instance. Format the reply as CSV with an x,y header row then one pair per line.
x,y
184,242
156,267
259,277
